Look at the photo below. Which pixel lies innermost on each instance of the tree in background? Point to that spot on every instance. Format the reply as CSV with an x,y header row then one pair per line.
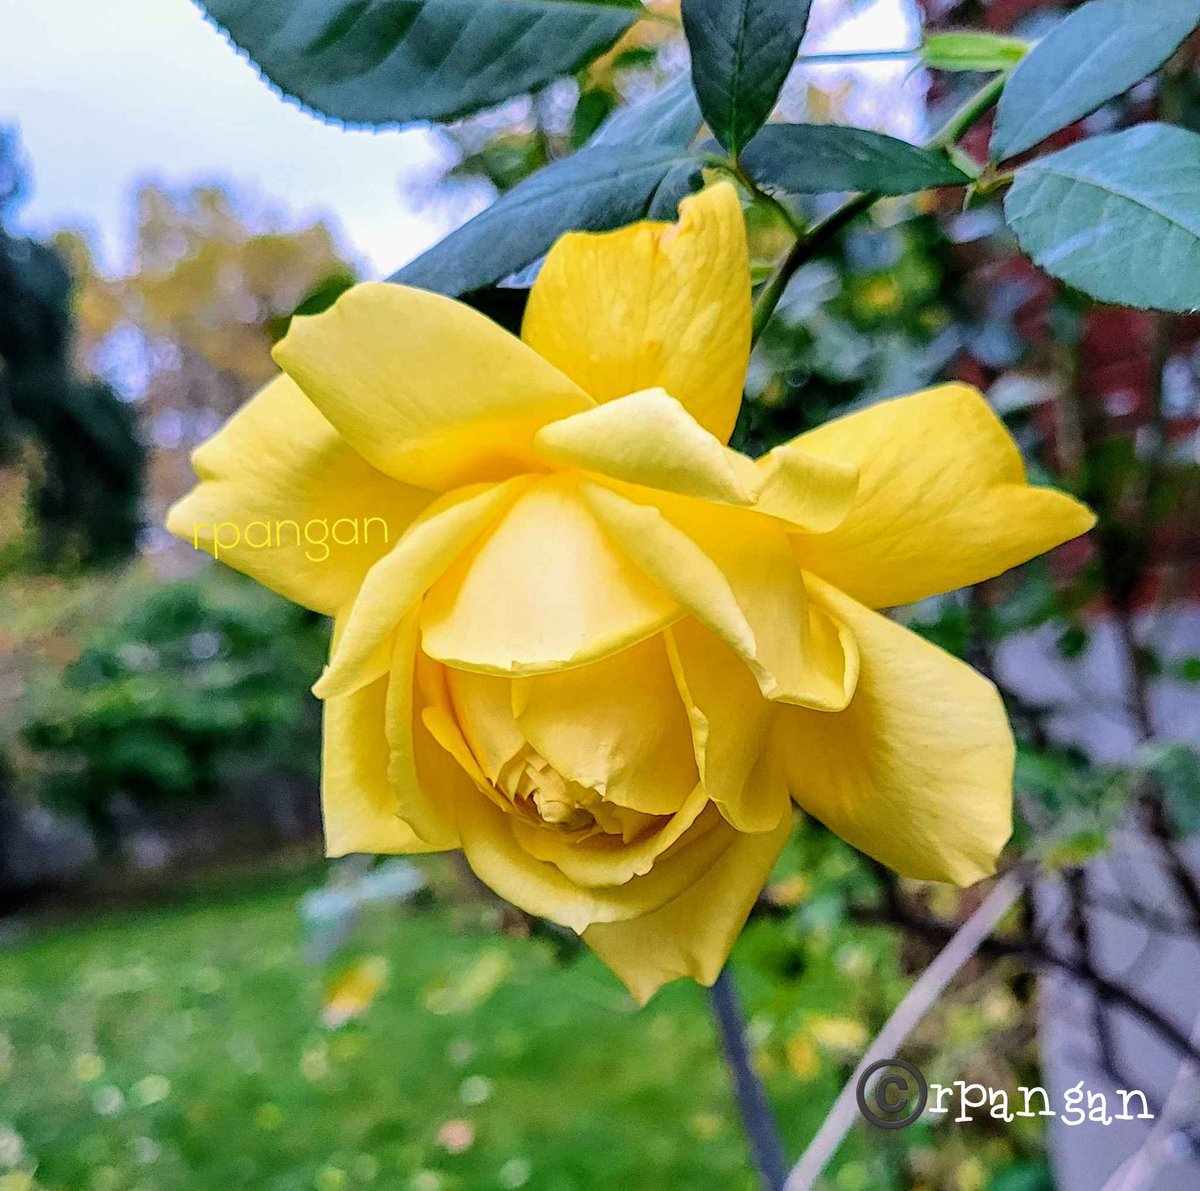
x,y
69,434
188,326
180,708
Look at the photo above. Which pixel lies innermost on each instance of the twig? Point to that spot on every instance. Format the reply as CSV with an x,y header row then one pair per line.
x,y
807,245
1076,886
1146,916
920,998
1145,1162
935,930
766,1148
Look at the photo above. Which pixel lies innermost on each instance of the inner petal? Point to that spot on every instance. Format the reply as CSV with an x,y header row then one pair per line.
x,y
618,726
524,778
545,590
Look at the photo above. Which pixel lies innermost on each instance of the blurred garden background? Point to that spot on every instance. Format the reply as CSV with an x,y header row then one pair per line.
x,y
191,997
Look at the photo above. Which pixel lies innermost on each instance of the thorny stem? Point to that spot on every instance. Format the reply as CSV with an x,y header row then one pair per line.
x,y
766,1148
809,243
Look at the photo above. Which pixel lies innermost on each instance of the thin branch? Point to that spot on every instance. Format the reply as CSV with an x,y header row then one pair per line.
x,y
808,245
1149,917
935,930
1106,1042
964,944
766,1148
858,56
1140,1168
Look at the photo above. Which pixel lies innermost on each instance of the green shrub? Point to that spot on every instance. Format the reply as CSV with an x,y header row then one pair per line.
x,y
191,686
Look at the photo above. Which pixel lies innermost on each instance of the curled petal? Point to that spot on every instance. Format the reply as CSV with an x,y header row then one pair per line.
x,y
942,500
425,388
614,863
649,439
735,573
692,934
653,305
482,706
275,471
399,580
731,722
917,771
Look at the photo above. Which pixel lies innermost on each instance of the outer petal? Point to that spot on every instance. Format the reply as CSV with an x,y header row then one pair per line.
x,y
399,580
359,807
544,591
942,500
917,771
422,804
649,439
730,725
427,389
693,934
279,468
653,304
735,573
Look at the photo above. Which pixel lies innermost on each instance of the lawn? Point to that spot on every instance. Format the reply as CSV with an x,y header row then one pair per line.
x,y
193,1047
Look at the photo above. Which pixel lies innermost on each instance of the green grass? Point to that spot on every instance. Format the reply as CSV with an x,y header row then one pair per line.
x,y
182,1050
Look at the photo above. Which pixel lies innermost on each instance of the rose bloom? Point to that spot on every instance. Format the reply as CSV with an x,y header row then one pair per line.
x,y
601,652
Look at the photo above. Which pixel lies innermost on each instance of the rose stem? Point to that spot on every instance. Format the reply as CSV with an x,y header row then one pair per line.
x,y
757,1118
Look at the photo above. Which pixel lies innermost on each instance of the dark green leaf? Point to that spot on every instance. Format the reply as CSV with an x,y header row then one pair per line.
x,y
1099,51
596,189
972,51
816,158
383,62
594,107
319,298
502,304
1072,642
742,51
671,116
1118,216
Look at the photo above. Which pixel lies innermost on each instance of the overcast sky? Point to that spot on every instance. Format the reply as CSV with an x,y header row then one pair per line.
x,y
107,94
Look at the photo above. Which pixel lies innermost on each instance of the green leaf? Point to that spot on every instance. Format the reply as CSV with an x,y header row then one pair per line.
x,y
598,188
742,51
1097,52
671,116
384,62
817,158
1117,216
983,52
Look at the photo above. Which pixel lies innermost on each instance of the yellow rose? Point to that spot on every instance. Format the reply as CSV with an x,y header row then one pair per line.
x,y
601,652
